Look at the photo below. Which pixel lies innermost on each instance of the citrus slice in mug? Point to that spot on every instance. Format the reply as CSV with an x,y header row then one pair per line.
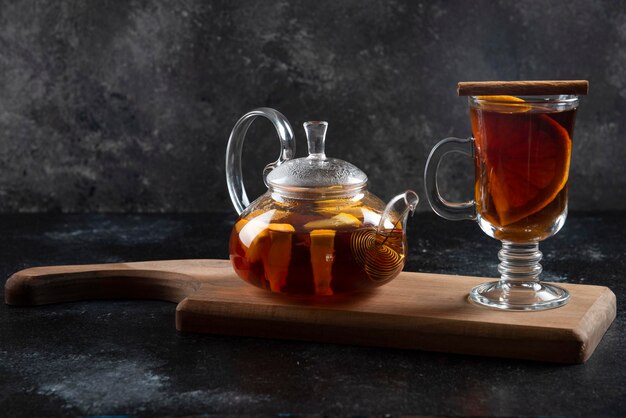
x,y
509,104
527,158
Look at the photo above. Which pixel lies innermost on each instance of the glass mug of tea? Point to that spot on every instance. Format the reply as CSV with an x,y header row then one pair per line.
x,y
521,147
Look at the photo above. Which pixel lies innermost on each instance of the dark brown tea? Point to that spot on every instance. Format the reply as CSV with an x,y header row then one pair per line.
x,y
522,163
304,254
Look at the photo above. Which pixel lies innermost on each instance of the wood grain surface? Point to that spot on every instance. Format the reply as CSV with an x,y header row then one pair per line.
x,y
415,311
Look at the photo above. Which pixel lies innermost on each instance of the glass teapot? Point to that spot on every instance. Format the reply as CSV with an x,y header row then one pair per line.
x,y
317,230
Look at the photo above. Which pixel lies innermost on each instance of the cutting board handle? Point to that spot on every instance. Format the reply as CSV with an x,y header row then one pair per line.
x,y
55,284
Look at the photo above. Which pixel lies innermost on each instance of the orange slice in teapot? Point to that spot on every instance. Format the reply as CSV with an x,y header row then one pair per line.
x,y
276,263
322,258
337,221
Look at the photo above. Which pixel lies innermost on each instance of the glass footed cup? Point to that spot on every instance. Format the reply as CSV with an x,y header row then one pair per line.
x,y
521,148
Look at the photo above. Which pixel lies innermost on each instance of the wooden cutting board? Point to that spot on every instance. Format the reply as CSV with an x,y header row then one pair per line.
x,y
415,311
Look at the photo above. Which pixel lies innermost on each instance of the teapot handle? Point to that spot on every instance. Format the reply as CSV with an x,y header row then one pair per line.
x,y
234,176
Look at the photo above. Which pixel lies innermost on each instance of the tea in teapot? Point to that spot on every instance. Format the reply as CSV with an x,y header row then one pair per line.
x,y
317,230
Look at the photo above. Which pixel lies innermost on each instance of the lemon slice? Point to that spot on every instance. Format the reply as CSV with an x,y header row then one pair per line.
x,y
322,258
501,98
336,210
240,224
281,228
277,263
508,104
337,221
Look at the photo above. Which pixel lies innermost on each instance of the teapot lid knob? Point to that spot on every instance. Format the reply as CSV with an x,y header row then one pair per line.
x,y
316,176
316,136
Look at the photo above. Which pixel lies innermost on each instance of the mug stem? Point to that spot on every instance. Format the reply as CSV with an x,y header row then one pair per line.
x,y
520,262
519,288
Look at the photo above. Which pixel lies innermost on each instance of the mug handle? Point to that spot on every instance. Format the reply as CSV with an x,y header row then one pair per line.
x,y
448,210
234,175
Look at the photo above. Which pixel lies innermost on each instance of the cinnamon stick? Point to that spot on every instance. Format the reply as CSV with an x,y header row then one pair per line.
x,y
523,88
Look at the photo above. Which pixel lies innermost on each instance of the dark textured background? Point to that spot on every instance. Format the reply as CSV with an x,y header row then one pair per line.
x,y
127,105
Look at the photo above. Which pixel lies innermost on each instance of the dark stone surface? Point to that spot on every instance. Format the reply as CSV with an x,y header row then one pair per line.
x,y
127,105
125,357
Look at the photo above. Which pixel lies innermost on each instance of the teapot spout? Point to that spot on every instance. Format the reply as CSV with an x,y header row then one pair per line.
x,y
397,212
382,252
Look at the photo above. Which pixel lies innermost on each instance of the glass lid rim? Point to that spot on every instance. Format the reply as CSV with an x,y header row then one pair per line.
x,y
313,192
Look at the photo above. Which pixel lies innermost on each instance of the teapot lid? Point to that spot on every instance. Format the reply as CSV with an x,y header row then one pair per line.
x,y
316,175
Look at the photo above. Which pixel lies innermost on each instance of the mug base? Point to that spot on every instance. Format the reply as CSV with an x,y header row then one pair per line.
x,y
519,295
